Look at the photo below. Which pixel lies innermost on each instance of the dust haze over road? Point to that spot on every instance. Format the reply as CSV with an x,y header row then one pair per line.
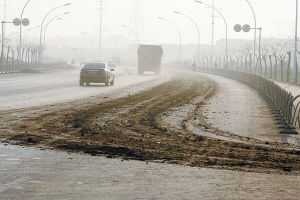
x,y
27,90
160,121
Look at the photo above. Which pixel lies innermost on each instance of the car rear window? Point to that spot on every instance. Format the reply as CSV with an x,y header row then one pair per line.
x,y
95,66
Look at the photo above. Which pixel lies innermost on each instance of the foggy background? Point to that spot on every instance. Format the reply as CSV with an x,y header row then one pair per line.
x,y
77,34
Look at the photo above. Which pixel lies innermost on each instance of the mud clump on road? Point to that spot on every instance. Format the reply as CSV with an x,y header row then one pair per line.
x,y
133,127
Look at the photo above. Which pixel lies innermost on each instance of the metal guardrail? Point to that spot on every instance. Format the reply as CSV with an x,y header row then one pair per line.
x,y
285,107
22,67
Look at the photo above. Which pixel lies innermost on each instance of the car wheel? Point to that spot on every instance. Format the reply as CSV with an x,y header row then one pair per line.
x,y
112,82
106,83
87,83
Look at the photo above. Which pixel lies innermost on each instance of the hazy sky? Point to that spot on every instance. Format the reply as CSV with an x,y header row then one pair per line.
x,y
275,16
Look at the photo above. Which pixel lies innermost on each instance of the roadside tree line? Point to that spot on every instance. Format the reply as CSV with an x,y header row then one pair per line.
x,y
274,63
14,60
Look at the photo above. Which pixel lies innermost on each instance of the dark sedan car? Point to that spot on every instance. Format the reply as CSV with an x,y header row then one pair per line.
x,y
97,72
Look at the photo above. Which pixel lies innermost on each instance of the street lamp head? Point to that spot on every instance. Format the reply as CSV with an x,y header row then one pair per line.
x,y
160,18
67,13
68,4
58,19
177,12
199,2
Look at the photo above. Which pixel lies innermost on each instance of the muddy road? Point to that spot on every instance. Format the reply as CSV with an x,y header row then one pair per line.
x,y
162,124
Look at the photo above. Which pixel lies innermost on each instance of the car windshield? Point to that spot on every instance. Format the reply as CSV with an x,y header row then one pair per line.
x,y
95,66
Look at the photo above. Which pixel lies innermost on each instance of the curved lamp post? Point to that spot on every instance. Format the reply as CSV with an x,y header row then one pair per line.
x,y
296,44
255,28
198,30
179,34
22,13
46,28
42,24
55,18
225,22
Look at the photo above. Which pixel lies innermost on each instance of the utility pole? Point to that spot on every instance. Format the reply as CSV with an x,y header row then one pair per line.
x,y
255,29
100,31
4,14
198,31
137,19
295,45
41,30
225,22
212,34
21,25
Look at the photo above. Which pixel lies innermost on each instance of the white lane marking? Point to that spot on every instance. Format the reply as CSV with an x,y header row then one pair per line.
x,y
16,184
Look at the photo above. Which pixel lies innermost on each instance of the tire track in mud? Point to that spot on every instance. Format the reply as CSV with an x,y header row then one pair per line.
x,y
134,127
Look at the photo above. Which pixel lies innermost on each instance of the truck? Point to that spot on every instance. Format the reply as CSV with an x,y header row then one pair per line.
x,y
149,59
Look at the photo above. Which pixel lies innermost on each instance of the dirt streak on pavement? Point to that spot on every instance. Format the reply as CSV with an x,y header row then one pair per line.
x,y
133,127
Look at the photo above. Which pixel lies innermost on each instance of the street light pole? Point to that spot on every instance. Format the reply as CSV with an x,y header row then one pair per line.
x,y
46,28
179,34
295,45
198,30
20,42
226,30
57,17
4,15
41,32
100,35
225,22
212,33
255,29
